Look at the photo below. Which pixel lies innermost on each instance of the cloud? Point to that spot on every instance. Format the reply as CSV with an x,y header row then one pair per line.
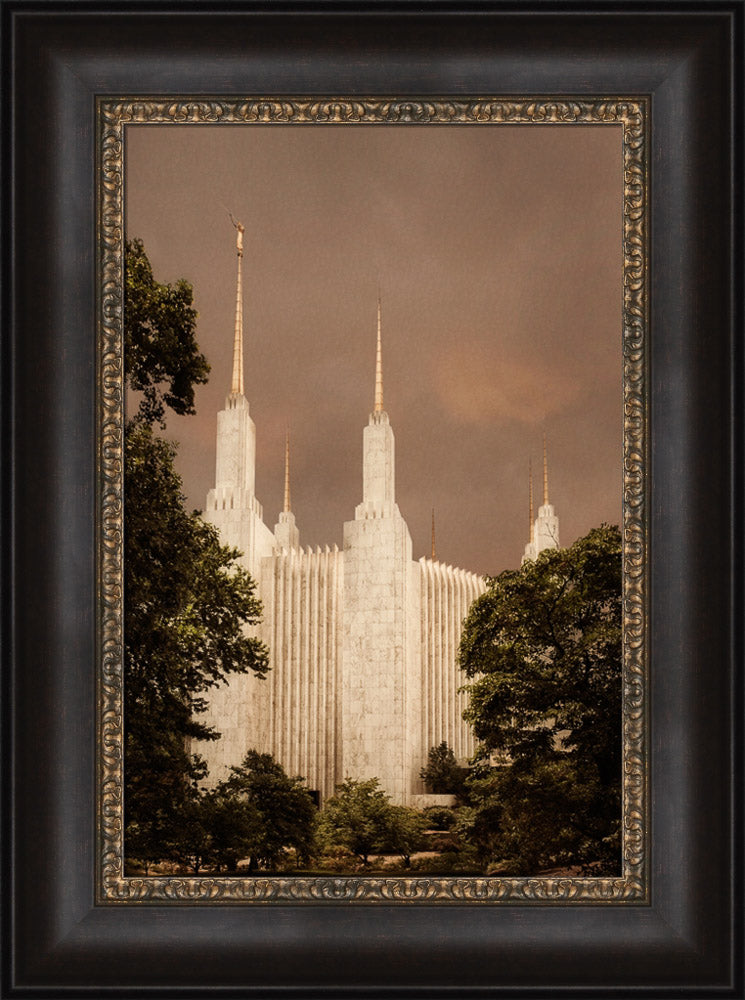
x,y
476,386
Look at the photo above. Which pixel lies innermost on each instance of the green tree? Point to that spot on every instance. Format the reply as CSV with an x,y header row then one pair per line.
x,y
542,647
442,775
234,825
274,811
186,602
186,606
356,817
404,832
189,839
161,357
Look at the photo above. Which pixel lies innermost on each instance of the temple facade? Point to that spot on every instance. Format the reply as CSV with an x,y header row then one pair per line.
x,y
363,640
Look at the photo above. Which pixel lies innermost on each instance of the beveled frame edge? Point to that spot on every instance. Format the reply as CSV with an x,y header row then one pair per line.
x,y
689,940
633,116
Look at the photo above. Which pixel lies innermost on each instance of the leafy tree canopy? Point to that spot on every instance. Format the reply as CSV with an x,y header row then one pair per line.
x,y
186,605
186,601
275,810
161,356
404,833
356,817
442,775
542,647
234,824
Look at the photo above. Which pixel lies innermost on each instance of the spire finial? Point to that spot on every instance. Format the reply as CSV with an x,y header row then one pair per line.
x,y
379,369
545,474
236,386
433,535
530,500
287,471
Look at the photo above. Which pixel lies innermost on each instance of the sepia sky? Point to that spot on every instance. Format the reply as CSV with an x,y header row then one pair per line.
x,y
498,254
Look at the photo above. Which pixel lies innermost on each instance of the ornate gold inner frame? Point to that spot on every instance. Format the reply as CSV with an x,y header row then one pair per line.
x,y
113,116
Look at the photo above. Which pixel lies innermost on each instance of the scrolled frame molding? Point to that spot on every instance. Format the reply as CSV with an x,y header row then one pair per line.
x,y
632,118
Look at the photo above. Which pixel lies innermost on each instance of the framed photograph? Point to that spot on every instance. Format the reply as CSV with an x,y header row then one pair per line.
x,y
509,238
361,637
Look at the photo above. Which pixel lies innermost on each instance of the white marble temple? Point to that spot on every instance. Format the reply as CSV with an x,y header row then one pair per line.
x,y
363,641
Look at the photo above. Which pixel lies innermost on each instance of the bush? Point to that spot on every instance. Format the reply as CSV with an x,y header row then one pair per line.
x,y
439,817
449,863
444,842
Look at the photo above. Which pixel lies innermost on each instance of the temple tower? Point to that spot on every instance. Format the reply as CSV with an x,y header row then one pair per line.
x,y
239,709
232,505
381,688
547,523
530,552
286,531
544,531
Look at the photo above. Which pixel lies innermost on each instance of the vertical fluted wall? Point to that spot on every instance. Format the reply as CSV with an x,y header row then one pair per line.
x,y
446,595
302,592
296,712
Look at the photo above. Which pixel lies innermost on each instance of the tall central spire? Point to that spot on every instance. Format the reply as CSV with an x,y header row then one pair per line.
x,y
378,453
287,472
530,500
236,386
545,474
379,369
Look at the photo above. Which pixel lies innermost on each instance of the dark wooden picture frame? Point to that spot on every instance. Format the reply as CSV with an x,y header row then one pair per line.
x,y
689,61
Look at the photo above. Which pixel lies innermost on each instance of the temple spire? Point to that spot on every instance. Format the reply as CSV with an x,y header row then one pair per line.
x,y
286,534
287,472
379,369
433,535
236,386
530,501
545,533
378,454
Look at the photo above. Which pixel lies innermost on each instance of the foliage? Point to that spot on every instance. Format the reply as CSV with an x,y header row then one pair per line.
x,y
542,647
356,817
337,860
161,356
257,813
442,775
452,861
273,812
190,840
548,815
439,817
186,602
404,833
234,826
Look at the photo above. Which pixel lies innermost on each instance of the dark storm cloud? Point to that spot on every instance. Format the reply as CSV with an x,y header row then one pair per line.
x,y
498,254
